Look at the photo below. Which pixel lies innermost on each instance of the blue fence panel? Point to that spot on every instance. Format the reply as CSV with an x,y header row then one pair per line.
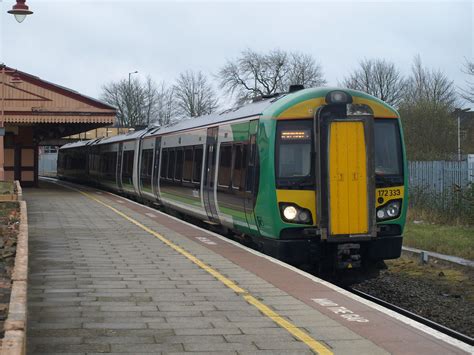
x,y
47,164
440,176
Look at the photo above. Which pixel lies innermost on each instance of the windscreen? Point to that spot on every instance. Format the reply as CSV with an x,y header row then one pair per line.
x,y
293,154
388,153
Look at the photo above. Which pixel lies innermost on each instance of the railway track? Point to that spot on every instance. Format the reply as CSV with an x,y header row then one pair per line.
x,y
441,328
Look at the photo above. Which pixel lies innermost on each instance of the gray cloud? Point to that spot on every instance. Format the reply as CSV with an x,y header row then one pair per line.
x,y
82,44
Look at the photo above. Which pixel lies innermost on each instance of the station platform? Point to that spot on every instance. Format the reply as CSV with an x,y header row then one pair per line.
x,y
108,275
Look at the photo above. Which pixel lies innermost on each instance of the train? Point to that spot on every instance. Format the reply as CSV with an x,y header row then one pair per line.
x,y
311,177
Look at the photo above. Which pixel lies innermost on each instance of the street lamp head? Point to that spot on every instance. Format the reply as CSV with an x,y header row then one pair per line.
x,y
20,10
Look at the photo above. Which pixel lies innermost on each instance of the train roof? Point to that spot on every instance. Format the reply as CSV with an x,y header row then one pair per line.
x,y
97,141
76,144
122,137
249,110
272,106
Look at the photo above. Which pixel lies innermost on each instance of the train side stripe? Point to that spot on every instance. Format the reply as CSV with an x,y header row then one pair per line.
x,y
313,344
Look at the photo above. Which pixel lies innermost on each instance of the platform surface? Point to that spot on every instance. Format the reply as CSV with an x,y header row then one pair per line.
x,y
110,276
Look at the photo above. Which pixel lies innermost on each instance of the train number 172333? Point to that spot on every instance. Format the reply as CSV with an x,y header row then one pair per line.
x,y
389,192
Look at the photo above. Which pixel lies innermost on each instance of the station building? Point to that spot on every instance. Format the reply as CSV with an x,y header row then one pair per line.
x,y
35,112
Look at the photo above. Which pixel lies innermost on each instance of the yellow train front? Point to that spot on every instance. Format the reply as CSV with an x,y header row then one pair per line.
x,y
334,171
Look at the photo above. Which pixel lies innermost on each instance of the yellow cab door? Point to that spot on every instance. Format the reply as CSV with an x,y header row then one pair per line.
x,y
346,178
347,165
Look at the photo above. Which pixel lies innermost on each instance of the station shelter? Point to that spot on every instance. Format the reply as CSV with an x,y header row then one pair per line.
x,y
35,112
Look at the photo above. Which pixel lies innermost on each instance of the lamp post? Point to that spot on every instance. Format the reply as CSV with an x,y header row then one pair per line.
x,y
129,96
459,112
20,10
129,75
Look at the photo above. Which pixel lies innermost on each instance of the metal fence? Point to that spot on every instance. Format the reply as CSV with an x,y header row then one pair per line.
x,y
441,176
47,164
443,190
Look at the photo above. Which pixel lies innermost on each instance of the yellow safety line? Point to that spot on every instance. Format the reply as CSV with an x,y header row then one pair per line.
x,y
291,328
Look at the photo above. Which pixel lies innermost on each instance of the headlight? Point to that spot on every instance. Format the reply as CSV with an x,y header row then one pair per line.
x,y
389,211
290,213
380,214
304,216
295,214
393,209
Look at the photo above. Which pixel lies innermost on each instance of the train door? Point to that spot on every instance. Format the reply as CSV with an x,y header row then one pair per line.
x,y
156,169
210,174
119,166
137,148
251,177
345,178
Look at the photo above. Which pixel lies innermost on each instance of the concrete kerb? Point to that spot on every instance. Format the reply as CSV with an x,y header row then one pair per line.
x,y
19,190
14,341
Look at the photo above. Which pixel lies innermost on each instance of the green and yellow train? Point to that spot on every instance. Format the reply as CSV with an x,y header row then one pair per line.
x,y
314,176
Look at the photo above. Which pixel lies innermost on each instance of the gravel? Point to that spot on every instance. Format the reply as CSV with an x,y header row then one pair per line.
x,y
433,295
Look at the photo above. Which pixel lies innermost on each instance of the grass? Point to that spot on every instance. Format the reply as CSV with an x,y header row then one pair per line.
x,y
444,239
456,280
6,187
6,206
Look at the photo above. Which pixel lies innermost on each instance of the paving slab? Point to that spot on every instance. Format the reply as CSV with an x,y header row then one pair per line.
x,y
100,283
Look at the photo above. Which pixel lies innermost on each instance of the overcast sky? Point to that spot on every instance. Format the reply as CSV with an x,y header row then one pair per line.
x,y
84,44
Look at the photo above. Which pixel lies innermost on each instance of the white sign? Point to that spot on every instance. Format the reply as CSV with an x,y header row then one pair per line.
x,y
206,240
342,311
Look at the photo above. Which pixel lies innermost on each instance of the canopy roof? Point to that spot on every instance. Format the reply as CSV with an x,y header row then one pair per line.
x,y
56,111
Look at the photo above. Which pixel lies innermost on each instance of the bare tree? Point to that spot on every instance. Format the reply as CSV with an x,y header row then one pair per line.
x,y
426,112
255,74
304,71
468,92
429,130
379,78
430,86
166,108
194,95
135,101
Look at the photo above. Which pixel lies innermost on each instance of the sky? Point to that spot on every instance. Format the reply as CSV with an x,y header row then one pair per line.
x,y
83,44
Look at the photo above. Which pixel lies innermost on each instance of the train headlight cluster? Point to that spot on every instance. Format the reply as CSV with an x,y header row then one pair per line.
x,y
290,213
338,97
389,211
294,214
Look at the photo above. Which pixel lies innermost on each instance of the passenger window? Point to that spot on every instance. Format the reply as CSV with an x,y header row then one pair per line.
x,y
178,174
146,169
240,166
164,164
127,168
188,164
147,162
197,164
225,161
171,164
